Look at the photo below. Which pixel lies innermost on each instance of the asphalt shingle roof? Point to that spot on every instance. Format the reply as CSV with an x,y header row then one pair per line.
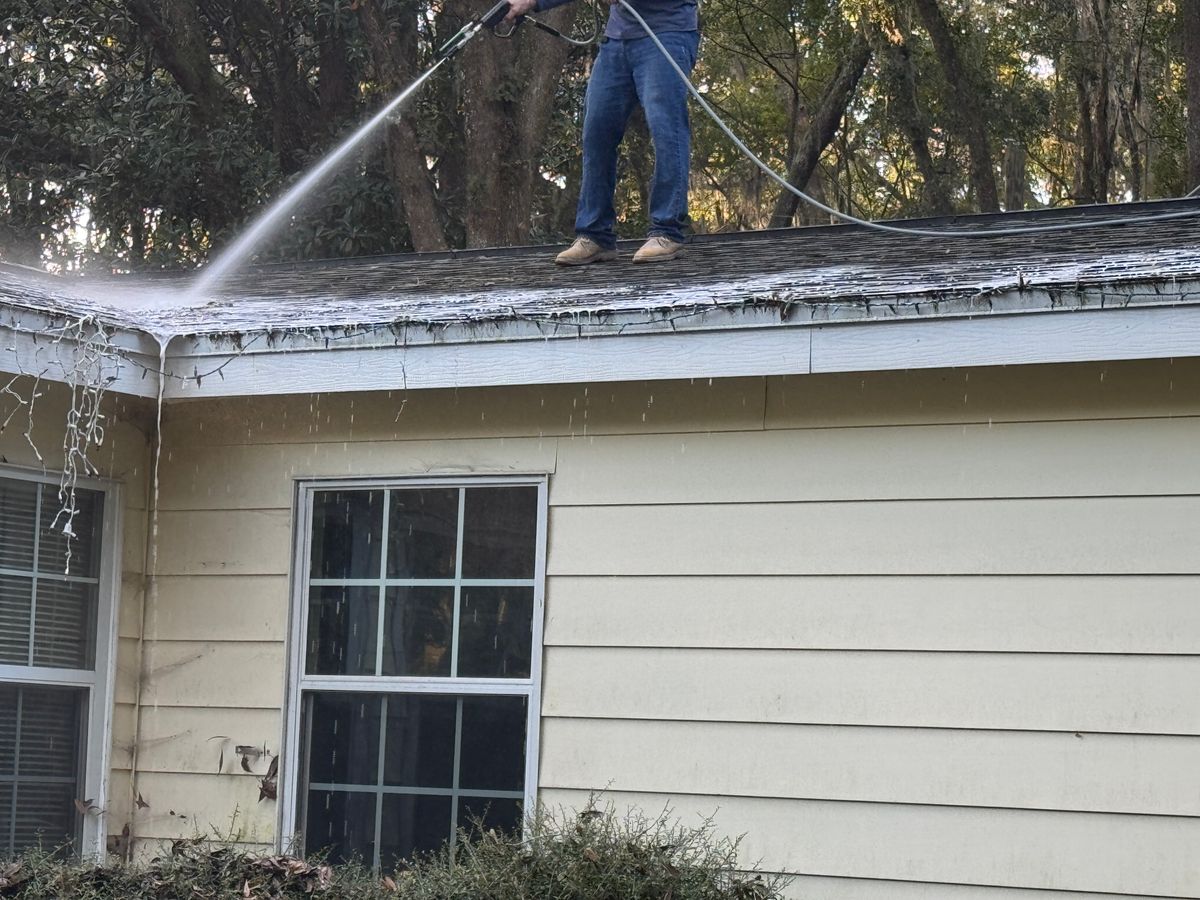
x,y
815,273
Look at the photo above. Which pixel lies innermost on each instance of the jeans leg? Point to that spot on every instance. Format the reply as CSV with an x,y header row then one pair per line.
x,y
611,95
664,97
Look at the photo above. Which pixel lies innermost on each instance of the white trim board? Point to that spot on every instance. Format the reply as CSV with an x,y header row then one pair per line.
x,y
719,343
1060,336
29,346
1158,332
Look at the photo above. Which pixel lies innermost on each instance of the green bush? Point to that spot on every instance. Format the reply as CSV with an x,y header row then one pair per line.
x,y
594,855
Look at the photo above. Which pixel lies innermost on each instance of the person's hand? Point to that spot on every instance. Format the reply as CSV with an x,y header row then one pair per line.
x,y
518,8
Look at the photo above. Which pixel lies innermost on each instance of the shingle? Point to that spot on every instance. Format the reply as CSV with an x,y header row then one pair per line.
x,y
813,269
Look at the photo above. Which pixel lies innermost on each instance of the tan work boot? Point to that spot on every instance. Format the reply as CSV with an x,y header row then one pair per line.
x,y
584,252
658,249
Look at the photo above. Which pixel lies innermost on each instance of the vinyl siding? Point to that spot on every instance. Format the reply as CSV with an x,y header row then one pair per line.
x,y
125,458
915,634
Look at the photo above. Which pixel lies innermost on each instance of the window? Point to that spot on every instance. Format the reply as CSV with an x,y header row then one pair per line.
x,y
417,652
55,602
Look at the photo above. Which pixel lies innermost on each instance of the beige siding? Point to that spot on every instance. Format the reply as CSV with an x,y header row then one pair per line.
x,y
224,807
1115,390
199,740
225,674
231,608
125,458
232,479
1125,693
1043,459
1018,614
917,634
939,767
1062,536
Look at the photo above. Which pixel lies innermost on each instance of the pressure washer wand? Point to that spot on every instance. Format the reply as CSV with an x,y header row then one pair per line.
x,y
489,19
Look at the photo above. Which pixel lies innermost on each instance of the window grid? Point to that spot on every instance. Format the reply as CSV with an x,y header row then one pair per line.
x,y
455,792
296,789
458,568
383,583
381,616
91,778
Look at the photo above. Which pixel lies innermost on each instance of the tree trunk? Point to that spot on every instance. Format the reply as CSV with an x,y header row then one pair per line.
x,y
1094,89
393,52
1190,20
823,127
936,194
1016,175
967,98
508,90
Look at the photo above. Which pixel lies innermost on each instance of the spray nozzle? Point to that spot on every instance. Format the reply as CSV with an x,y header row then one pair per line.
x,y
489,19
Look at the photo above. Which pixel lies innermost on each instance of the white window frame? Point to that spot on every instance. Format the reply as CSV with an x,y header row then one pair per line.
x,y
100,681
291,766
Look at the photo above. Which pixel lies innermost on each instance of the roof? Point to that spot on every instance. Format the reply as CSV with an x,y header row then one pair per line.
x,y
791,278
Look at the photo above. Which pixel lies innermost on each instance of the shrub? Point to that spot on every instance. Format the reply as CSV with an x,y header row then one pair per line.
x,y
594,855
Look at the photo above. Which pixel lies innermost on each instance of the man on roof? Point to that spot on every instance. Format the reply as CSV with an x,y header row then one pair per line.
x,y
630,70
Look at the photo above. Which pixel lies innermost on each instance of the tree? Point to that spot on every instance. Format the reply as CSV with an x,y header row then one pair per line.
x,y
142,134
822,127
894,48
968,97
1189,18
1094,83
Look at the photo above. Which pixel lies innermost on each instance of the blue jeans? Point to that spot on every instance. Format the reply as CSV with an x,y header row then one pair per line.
x,y
627,73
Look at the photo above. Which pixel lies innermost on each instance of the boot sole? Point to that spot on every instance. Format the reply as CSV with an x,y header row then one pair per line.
x,y
598,258
653,259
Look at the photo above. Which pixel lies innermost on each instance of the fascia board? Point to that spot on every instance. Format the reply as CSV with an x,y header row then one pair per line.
x,y
33,344
1086,324
1147,332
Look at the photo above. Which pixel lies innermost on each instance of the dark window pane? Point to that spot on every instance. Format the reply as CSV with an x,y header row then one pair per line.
x,y
343,738
46,723
16,600
417,628
341,826
18,523
65,629
347,534
500,532
50,722
495,632
342,626
423,533
46,816
420,741
412,824
85,527
492,755
491,813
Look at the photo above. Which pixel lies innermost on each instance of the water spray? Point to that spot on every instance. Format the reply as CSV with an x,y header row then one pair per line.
x,y
245,246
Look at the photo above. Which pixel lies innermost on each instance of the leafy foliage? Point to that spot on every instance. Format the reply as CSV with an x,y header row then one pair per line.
x,y
142,133
592,856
